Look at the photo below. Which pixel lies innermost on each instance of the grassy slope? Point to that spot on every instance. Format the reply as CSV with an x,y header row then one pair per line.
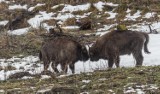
x,y
100,81
115,79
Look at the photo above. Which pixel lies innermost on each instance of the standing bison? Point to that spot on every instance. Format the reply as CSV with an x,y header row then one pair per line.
x,y
63,51
119,42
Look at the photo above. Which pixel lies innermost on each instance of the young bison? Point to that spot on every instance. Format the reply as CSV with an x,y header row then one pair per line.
x,y
115,43
63,51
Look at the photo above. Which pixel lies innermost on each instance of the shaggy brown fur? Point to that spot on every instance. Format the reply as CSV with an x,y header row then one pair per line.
x,y
115,43
63,51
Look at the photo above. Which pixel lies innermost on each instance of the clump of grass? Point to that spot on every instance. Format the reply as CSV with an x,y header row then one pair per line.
x,y
92,9
79,12
108,8
93,1
9,68
121,8
41,8
58,8
1,68
144,11
70,21
50,22
3,6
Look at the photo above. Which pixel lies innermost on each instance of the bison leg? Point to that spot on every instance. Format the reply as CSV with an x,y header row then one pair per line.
x,y
139,58
110,62
46,65
64,68
117,61
137,53
54,67
72,67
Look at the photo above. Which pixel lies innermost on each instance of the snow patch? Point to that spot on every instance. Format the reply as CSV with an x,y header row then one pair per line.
x,y
71,8
36,21
134,16
3,22
31,8
18,31
99,5
12,7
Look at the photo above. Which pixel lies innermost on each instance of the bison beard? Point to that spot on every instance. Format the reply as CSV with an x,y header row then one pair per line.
x,y
115,43
63,51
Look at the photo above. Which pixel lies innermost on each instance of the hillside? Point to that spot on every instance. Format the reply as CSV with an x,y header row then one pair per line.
x,y
25,25
144,80
33,19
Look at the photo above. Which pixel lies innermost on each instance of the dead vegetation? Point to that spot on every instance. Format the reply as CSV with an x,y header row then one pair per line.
x,y
70,22
101,82
115,81
29,43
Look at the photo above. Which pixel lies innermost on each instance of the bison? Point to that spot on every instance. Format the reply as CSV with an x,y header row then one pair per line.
x,y
119,42
63,51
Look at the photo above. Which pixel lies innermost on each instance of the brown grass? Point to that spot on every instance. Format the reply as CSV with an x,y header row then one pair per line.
x,y
42,8
80,12
59,8
1,68
29,43
3,6
92,9
70,21
9,68
108,8
51,22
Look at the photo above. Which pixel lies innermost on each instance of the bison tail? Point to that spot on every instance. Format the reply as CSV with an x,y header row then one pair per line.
x,y
146,43
40,56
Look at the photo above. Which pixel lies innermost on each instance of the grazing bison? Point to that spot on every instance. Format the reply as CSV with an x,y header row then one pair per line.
x,y
63,51
119,42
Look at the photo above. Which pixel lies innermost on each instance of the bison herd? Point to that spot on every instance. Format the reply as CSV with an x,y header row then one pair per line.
x,y
66,51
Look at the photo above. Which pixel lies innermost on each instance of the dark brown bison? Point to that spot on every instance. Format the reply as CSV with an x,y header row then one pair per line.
x,y
63,51
115,43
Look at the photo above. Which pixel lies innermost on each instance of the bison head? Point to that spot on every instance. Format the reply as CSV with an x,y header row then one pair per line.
x,y
93,53
84,54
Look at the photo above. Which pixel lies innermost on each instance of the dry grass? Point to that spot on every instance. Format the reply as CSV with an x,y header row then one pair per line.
x,y
51,22
58,8
92,9
24,44
70,21
3,6
9,68
108,8
43,8
1,68
121,8
80,12
100,81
